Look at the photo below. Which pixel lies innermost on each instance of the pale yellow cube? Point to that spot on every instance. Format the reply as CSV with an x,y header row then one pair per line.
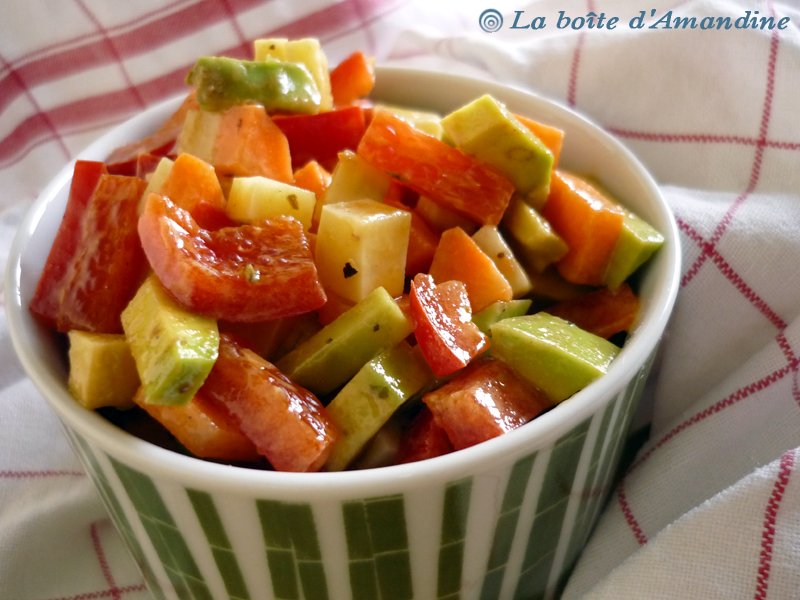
x,y
362,245
490,240
426,122
254,198
102,371
157,180
199,134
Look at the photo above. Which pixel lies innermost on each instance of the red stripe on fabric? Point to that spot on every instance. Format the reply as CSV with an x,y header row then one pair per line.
x,y
628,514
770,522
699,138
37,474
576,61
105,593
101,558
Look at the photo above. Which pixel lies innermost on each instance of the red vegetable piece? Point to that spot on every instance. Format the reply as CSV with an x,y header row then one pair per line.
x,y
109,264
146,164
285,421
47,298
352,79
321,137
603,312
443,324
432,168
423,439
252,273
484,401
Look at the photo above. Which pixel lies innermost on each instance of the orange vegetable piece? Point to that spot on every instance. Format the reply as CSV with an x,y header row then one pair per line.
x,y
588,221
602,312
551,137
352,79
315,178
249,143
459,257
422,239
203,427
192,182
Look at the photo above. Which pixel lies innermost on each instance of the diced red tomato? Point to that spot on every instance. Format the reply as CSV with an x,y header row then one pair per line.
x,y
443,324
146,164
321,137
251,273
423,439
47,298
109,264
602,312
432,168
484,401
203,427
352,79
286,422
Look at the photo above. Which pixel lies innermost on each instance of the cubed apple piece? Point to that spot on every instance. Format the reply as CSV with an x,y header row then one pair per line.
x,y
555,356
255,198
490,240
426,121
307,52
539,246
498,311
484,401
362,245
157,180
367,401
588,221
423,439
336,353
353,179
602,312
174,349
432,168
286,422
637,242
102,371
203,427
485,129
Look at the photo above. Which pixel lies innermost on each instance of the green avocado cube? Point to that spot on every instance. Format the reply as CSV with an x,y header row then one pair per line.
x,y
364,405
557,357
487,130
102,371
174,349
334,354
637,242
538,244
497,311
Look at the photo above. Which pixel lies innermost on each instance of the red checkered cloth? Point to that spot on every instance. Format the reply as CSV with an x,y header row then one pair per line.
x,y
710,507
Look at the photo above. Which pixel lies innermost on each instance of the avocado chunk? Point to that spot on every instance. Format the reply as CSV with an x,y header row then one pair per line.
x,y
637,242
174,349
364,405
538,244
334,354
498,311
555,356
102,371
488,131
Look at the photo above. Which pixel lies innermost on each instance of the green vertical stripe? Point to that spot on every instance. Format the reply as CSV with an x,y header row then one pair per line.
x,y
228,566
506,527
164,534
454,532
293,551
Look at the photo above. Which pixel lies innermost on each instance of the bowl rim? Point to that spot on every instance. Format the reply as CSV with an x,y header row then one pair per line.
x,y
190,471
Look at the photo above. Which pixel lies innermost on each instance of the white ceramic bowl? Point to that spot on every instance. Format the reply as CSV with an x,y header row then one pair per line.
x,y
503,519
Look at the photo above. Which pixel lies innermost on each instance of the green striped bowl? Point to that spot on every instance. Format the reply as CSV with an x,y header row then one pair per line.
x,y
504,519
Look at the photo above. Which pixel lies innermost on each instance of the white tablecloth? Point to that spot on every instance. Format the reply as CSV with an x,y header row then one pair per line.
x,y
710,507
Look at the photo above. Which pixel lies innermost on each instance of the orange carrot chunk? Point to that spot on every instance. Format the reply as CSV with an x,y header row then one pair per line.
x,y
602,312
352,79
590,224
192,184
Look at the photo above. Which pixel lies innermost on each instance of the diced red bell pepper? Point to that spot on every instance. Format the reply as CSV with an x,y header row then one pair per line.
x,y
484,401
602,312
251,273
321,137
432,168
47,298
352,79
286,422
443,324
423,439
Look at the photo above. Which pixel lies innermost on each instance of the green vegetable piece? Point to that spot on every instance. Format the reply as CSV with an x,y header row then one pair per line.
x,y
174,349
486,129
335,353
278,86
637,242
364,405
102,371
498,311
557,357
539,246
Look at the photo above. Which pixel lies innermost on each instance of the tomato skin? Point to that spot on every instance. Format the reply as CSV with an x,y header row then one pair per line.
x,y
47,298
257,272
433,169
109,263
443,325
286,422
